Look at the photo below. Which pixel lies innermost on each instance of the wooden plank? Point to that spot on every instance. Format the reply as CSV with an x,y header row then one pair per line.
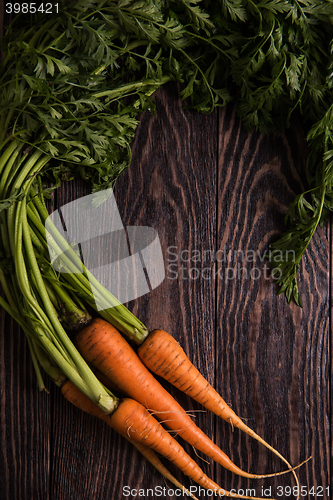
x,y
275,356
24,420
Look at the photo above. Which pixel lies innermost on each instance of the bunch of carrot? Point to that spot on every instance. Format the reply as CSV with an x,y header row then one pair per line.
x,y
49,306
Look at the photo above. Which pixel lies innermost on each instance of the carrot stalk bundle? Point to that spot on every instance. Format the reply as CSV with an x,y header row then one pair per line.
x,y
133,421
105,348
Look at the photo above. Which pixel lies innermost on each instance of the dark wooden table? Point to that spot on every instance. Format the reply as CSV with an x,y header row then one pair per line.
x,y
209,188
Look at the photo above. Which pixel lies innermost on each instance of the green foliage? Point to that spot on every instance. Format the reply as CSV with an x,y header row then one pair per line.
x,y
76,83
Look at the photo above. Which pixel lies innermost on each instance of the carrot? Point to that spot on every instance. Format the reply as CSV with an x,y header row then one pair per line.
x,y
107,382
163,355
133,421
105,348
76,397
151,456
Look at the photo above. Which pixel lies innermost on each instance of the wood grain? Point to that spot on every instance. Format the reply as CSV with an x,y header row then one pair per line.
x,y
283,376
206,186
25,418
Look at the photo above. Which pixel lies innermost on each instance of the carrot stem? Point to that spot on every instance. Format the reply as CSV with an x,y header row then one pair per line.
x,y
108,306
27,281
100,395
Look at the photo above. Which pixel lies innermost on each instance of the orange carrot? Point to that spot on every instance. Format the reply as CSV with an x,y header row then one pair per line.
x,y
163,355
107,382
104,347
76,397
133,420
151,456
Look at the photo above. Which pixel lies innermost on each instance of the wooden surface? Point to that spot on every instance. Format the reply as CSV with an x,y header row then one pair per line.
x,y
209,188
